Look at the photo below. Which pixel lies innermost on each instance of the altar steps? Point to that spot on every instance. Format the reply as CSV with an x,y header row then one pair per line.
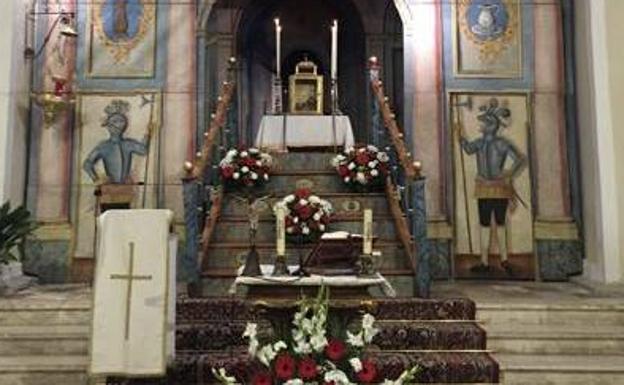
x,y
44,336
440,336
230,240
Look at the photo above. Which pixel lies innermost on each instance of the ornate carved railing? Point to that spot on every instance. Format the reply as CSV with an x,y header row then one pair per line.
x,y
405,187
203,194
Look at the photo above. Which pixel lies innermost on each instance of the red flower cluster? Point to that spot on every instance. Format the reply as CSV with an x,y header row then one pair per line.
x,y
363,166
368,374
335,350
306,214
246,167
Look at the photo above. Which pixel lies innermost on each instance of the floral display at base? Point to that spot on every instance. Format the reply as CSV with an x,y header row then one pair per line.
x,y
307,215
245,168
362,168
314,354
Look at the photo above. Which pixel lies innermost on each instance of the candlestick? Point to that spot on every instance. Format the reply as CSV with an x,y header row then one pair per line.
x,y
281,231
334,50
278,47
368,232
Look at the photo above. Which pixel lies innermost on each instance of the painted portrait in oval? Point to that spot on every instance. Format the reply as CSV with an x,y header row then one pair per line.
x,y
121,19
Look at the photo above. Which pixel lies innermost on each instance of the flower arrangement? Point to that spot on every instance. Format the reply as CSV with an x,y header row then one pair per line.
x,y
364,166
313,356
307,215
246,167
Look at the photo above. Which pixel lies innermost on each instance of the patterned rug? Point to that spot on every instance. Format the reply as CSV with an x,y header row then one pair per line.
x,y
441,336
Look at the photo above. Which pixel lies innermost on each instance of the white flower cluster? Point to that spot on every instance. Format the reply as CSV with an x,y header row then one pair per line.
x,y
309,333
366,334
265,354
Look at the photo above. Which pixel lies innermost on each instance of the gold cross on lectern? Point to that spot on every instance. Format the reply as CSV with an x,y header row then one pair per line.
x,y
130,277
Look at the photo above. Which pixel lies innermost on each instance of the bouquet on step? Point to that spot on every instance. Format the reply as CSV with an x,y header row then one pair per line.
x,y
313,354
307,215
362,167
246,167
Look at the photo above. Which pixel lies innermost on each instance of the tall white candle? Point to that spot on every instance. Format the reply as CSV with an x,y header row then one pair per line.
x,y
278,47
334,50
368,232
281,231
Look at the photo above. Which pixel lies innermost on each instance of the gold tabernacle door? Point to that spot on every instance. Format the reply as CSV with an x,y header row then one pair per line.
x,y
306,89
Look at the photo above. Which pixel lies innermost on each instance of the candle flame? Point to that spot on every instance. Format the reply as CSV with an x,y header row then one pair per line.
x,y
276,21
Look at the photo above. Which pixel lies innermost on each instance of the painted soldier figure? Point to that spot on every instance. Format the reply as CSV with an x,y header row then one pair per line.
x,y
116,152
494,188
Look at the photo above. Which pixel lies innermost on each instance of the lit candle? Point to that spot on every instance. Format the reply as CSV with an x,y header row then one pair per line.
x,y
368,232
278,47
334,50
281,231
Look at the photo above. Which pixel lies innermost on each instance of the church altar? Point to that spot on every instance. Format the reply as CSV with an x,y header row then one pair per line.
x,y
277,132
341,286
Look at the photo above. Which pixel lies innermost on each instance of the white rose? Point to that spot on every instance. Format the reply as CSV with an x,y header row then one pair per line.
x,y
290,229
374,172
361,150
254,176
356,364
315,200
258,163
347,179
253,151
289,199
244,154
305,230
245,169
322,227
361,178
296,220
372,164
351,166
294,381
236,176
232,153
303,202
383,157
372,148
317,217
266,176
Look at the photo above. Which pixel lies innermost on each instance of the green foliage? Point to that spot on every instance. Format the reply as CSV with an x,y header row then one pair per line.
x,y
15,226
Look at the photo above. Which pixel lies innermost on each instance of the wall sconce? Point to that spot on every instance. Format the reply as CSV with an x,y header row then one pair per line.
x,y
54,103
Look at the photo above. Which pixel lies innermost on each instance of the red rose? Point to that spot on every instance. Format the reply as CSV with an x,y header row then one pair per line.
x,y
368,373
303,193
335,350
305,212
249,162
343,171
362,159
262,378
227,171
307,369
284,367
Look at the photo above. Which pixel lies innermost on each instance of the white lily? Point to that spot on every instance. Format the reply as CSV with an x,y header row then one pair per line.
x,y
223,377
356,340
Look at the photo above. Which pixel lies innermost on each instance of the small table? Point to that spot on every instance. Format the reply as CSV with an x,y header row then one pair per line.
x,y
278,132
292,287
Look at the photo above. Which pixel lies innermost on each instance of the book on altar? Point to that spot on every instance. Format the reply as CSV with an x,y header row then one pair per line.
x,y
134,294
335,253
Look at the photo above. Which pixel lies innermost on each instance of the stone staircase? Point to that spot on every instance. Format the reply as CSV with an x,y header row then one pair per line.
x,y
230,240
44,337
572,344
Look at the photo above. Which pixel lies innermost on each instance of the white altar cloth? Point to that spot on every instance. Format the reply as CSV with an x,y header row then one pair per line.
x,y
303,131
313,280
134,297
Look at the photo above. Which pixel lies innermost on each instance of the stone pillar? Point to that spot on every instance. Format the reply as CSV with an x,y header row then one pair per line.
x,y
179,128
14,95
423,93
600,82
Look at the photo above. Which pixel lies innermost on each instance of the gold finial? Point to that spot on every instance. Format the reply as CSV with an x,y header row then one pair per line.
x,y
188,166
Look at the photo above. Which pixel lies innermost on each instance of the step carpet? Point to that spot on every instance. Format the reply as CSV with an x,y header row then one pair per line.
x,y
442,337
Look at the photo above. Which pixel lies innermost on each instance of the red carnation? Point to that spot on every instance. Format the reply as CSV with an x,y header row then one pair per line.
x,y
307,369
303,193
227,172
284,367
362,159
343,171
335,350
368,373
262,378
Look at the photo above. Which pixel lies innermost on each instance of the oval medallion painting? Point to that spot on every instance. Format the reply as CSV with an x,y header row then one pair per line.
x,y
122,24
487,19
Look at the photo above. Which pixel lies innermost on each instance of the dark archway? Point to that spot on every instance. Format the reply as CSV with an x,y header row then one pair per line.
x,y
306,29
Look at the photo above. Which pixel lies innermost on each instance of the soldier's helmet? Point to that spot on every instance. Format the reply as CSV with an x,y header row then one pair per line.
x,y
493,115
116,119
